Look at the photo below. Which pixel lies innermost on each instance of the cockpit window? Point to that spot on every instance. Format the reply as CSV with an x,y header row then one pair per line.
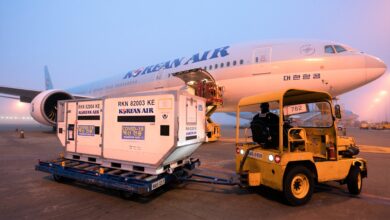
x,y
339,48
329,49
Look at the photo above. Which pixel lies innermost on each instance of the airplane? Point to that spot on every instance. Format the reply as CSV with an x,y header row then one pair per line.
x,y
242,70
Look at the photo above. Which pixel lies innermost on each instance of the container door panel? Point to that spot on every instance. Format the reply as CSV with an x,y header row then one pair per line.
x,y
61,123
70,127
89,127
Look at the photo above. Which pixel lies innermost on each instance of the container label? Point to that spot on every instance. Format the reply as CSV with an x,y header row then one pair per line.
x,y
86,130
191,115
136,106
88,109
133,132
191,132
165,103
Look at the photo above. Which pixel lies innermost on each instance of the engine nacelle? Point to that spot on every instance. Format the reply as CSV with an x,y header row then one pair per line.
x,y
44,106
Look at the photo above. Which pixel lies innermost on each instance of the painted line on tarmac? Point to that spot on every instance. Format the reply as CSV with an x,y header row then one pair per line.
x,y
229,140
374,149
380,199
217,169
363,148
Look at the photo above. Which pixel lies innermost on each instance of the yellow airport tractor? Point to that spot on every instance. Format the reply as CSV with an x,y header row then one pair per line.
x,y
298,149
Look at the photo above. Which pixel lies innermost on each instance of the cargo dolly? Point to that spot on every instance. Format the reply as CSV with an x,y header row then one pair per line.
x,y
127,182
293,166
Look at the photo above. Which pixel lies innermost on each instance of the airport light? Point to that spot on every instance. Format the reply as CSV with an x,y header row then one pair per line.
x,y
3,117
380,96
376,101
384,93
20,105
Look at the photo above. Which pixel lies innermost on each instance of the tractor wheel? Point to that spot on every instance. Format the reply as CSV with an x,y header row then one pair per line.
x,y
298,186
354,181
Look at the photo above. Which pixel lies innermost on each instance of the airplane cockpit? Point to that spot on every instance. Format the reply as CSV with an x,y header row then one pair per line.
x,y
333,49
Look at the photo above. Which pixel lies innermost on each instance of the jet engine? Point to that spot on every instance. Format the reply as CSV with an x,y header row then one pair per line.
x,y
44,106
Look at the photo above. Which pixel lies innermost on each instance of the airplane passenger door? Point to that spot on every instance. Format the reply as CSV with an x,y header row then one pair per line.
x,y
262,55
160,79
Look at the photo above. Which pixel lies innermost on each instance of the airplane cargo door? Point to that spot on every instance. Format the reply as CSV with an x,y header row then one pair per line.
x,y
70,127
89,127
262,55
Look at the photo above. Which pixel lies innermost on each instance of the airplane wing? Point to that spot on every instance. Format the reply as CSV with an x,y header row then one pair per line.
x,y
25,95
243,115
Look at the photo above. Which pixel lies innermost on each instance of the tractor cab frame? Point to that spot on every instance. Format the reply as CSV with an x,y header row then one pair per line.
x,y
308,150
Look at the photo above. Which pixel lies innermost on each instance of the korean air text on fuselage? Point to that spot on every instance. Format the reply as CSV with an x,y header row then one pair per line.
x,y
198,57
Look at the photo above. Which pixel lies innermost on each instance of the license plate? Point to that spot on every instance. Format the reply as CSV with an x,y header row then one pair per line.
x,y
255,155
158,183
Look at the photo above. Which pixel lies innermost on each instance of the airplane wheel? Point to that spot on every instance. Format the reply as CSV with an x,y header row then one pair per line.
x,y
354,181
298,186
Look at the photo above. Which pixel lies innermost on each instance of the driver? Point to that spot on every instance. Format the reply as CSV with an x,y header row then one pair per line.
x,y
265,127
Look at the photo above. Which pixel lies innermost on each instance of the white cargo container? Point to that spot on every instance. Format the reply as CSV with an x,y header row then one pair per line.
x,y
80,129
151,132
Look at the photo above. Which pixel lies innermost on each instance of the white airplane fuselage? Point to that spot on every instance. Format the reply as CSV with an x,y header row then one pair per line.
x,y
249,69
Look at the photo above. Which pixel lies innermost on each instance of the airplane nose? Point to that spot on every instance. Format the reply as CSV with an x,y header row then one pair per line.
x,y
375,68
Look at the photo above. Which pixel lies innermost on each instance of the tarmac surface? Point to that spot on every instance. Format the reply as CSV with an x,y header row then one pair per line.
x,y
29,194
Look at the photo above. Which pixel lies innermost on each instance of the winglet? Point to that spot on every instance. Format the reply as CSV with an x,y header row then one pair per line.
x,y
48,83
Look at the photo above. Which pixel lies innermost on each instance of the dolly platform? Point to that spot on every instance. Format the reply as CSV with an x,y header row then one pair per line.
x,y
125,181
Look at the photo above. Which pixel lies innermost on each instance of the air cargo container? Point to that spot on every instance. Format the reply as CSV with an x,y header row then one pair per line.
x,y
148,133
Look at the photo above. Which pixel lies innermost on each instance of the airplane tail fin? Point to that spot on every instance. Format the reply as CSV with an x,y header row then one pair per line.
x,y
48,83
